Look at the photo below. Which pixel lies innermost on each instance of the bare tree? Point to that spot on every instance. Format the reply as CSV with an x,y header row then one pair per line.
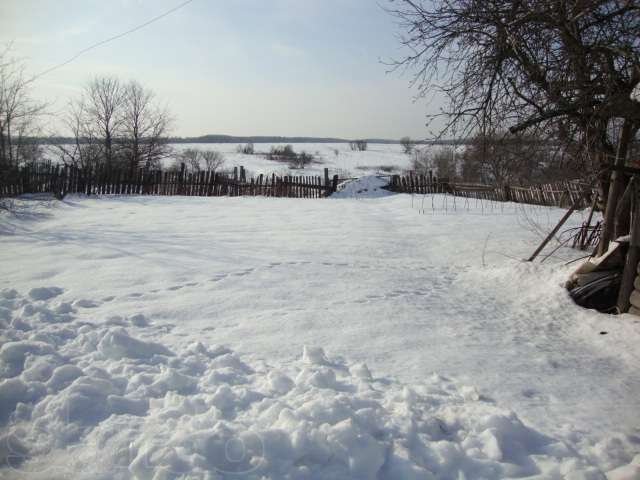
x,y
513,65
407,145
422,161
18,113
86,149
104,98
247,148
144,127
117,125
192,158
444,161
213,160
358,145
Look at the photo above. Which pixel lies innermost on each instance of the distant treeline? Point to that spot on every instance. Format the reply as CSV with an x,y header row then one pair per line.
x,y
58,140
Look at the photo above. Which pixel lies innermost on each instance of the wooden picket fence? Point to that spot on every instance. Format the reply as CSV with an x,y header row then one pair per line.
x,y
560,194
60,180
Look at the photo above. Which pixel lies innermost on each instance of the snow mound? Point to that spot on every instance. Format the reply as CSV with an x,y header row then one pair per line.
x,y
371,186
97,400
44,293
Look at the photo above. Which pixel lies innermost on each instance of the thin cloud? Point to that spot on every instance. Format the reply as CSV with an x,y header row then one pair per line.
x,y
287,51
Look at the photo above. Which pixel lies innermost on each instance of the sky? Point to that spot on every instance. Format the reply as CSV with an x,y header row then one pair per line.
x,y
237,67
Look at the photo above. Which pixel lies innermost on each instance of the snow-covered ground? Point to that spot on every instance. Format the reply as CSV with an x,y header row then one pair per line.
x,y
363,336
337,157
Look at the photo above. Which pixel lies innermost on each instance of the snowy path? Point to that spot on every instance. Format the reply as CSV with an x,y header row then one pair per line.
x,y
370,280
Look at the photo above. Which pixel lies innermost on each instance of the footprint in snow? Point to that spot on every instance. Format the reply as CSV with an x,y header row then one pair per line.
x,y
45,293
242,273
85,303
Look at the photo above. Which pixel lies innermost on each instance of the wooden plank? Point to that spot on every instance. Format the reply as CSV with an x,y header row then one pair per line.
x,y
634,299
553,232
633,254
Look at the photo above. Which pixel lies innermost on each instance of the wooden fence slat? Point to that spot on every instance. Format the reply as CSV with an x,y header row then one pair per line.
x,y
103,180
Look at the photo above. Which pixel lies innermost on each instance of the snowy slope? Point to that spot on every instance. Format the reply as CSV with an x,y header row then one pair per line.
x,y
149,335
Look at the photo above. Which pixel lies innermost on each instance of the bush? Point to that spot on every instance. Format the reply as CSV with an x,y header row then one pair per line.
x,y
304,159
247,149
287,154
213,160
280,153
407,145
194,160
358,145
440,162
422,162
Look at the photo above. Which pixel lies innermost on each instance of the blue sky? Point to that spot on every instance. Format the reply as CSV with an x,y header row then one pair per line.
x,y
240,67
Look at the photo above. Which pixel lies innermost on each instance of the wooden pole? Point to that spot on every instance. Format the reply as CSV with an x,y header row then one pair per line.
x,y
583,239
616,188
555,230
633,255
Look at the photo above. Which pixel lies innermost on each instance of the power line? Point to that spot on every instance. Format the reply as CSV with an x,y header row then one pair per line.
x,y
110,39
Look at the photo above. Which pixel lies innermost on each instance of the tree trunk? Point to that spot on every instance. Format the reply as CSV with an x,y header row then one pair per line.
x,y
107,148
622,222
3,154
9,147
633,255
616,187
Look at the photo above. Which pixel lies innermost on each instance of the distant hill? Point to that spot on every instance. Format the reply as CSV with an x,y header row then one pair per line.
x,y
268,139
253,139
277,139
215,138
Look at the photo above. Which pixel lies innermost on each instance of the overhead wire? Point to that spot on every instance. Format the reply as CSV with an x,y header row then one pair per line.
x,y
110,39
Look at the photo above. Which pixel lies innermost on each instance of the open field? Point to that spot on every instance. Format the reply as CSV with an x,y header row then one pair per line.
x,y
378,158
183,322
346,162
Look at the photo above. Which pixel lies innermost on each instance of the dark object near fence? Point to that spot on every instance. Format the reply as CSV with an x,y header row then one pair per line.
x,y
60,180
559,194
596,283
587,235
600,292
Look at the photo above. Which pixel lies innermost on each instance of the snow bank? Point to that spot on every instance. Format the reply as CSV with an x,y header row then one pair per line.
x,y
103,400
371,186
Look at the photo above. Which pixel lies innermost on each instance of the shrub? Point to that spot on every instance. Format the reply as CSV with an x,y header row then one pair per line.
x,y
422,162
303,159
194,159
358,145
287,154
407,145
280,153
247,149
213,160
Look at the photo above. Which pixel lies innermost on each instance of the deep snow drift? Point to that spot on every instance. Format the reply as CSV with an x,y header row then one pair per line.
x,y
126,406
165,337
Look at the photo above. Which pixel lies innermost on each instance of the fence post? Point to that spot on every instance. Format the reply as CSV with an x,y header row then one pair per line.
x,y
630,270
334,185
326,177
507,193
181,179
